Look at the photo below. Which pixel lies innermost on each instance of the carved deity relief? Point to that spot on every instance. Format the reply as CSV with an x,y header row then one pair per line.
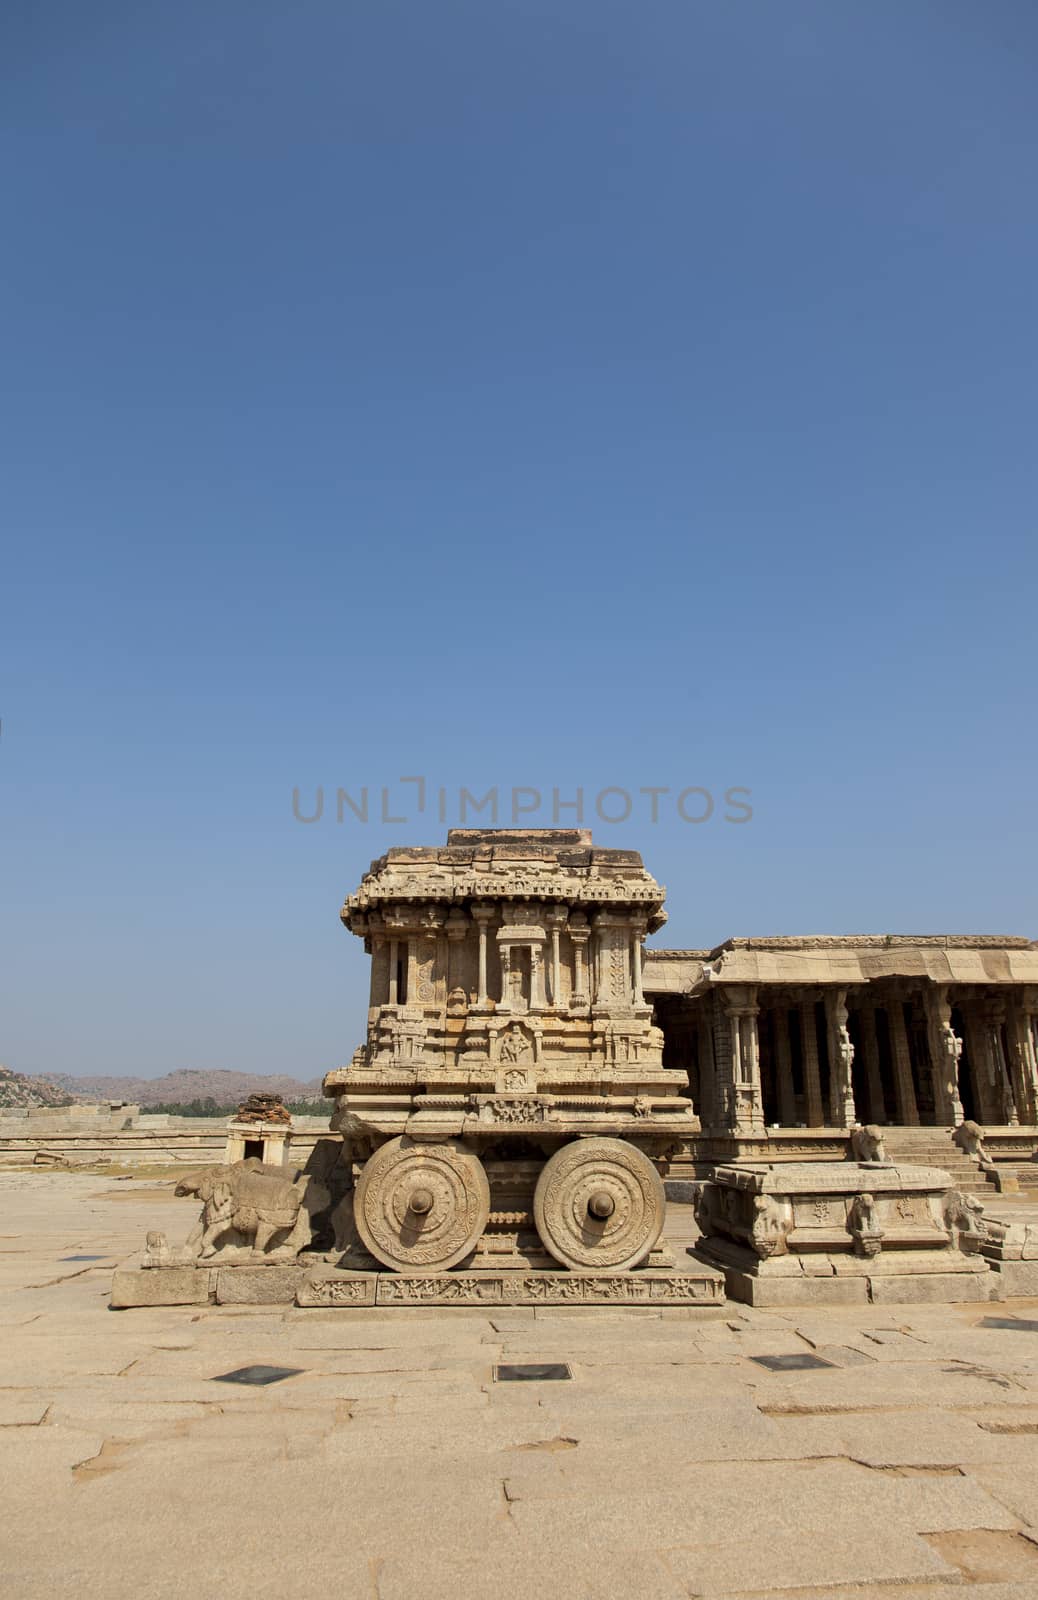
x,y
515,1046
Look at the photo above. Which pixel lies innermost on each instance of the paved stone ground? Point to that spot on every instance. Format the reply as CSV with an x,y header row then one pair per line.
x,y
394,1466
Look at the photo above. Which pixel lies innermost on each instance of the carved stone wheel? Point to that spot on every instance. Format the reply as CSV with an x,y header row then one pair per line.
x,y
599,1205
422,1207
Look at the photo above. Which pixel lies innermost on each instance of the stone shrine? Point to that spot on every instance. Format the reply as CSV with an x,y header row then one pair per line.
x,y
509,1105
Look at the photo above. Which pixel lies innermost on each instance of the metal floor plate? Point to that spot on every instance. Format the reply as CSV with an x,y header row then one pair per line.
x,y
258,1375
793,1363
531,1371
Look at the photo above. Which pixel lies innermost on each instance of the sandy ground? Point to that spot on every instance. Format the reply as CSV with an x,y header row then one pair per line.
x,y
393,1465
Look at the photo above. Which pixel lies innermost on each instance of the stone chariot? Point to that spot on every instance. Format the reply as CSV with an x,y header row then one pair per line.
x,y
509,1106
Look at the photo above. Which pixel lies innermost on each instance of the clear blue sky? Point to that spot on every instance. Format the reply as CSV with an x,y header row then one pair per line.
x,y
544,392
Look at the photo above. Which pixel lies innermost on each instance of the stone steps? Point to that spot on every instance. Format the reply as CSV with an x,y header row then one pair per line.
x,y
931,1148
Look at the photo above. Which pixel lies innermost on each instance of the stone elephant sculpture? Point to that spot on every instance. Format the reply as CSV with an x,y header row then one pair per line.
x,y
268,1206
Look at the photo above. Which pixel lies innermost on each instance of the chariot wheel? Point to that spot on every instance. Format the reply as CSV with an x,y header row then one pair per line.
x,y
422,1208
599,1205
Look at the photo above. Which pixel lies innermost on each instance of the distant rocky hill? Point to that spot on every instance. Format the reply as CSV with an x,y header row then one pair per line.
x,y
18,1090
179,1087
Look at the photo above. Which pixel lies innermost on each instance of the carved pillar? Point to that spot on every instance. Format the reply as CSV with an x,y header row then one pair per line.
x,y
379,970
394,967
945,1052
536,977
985,1108
482,914
1020,1074
556,919
841,1060
994,1017
638,934
708,1108
745,1112
612,955
814,1110
870,1053
456,926
1025,1043
505,1002
904,1088
412,969
784,1069
579,933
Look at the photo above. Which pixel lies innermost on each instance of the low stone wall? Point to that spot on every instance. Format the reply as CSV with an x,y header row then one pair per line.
x,y
193,1141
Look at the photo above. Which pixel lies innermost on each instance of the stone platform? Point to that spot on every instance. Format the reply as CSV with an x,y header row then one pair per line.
x,y
316,1283
839,1233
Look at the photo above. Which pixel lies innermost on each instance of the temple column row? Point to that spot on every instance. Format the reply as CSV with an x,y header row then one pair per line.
x,y
1001,1047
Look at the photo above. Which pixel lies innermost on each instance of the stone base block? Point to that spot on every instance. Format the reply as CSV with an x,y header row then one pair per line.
x,y
900,1277
133,1285
752,1290
912,1288
259,1286
702,1287
192,1285
1012,1278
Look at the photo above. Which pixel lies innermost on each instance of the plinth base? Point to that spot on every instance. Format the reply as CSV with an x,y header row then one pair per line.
x,y
900,1277
700,1286
314,1283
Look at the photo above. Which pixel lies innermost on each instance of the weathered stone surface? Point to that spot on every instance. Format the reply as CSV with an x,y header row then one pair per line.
x,y
160,1286
1013,1278
669,1454
919,1287
259,1286
754,1290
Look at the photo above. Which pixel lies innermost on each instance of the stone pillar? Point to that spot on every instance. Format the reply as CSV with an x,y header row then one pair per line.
x,y
784,1069
638,934
994,1017
612,954
412,969
482,914
379,971
709,1112
1025,1043
394,959
1018,1038
505,1002
579,933
841,1060
870,1053
745,1108
375,943
814,1110
945,1052
556,920
904,1088
984,1100
536,978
